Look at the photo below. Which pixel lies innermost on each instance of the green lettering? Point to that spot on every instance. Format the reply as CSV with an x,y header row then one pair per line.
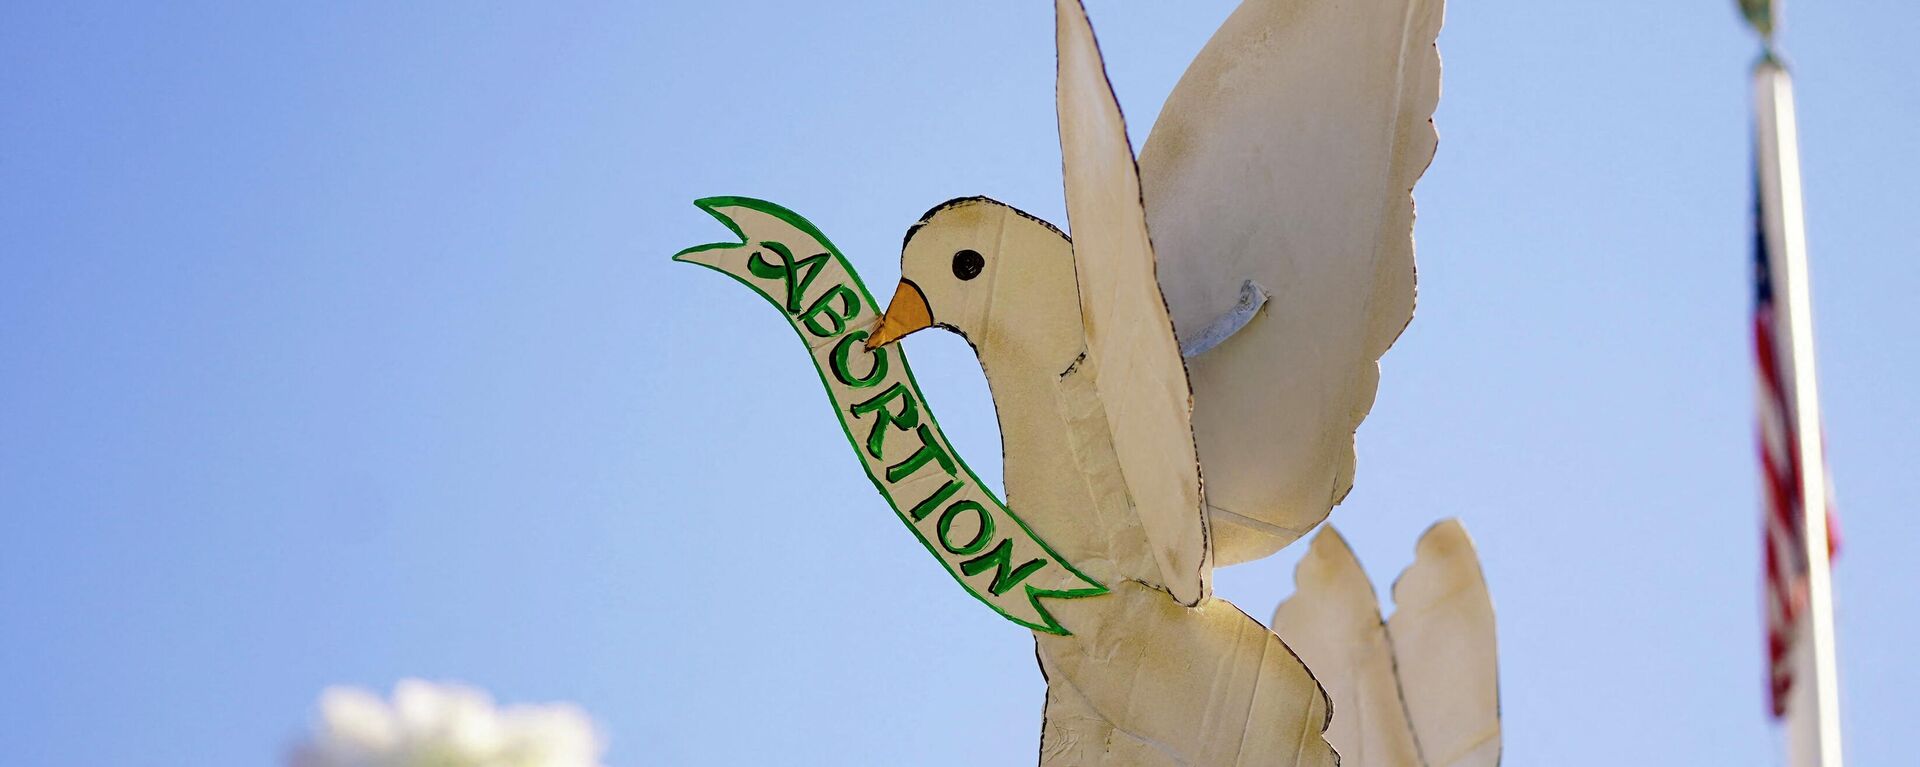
x,y
906,419
838,362
788,270
923,508
929,451
849,306
979,538
999,558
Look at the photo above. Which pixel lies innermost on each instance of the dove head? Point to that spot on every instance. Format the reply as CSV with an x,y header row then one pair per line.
x,y
995,275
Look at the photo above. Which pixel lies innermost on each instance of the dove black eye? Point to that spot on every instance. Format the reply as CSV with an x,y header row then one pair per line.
x,y
967,264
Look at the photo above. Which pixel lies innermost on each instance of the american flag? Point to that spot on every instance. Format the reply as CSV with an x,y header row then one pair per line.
x,y
1785,536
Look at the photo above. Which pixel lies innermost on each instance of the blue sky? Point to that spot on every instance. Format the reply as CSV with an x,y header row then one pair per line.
x,y
340,343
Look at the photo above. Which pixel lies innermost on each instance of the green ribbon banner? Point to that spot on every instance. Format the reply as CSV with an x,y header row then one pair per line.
x,y
987,549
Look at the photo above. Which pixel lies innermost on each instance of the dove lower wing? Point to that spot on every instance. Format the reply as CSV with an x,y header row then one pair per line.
x,y
1444,645
1333,622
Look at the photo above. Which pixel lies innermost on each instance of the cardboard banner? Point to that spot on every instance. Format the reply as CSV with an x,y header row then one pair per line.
x,y
987,549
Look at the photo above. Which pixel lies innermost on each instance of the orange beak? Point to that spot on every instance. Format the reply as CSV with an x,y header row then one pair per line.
x,y
907,312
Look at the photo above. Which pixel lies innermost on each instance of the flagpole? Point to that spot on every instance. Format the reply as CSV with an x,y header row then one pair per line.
x,y
1813,708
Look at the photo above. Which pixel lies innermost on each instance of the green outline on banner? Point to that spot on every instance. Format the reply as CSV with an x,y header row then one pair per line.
x,y
712,205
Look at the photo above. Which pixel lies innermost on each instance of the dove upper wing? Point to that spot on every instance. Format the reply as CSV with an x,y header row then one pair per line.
x,y
1287,155
1139,376
1444,645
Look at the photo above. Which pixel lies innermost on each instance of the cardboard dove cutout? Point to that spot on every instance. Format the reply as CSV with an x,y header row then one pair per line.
x,y
1079,348
1418,690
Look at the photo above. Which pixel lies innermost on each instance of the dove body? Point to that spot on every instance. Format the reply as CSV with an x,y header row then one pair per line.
x,y
1019,313
1006,282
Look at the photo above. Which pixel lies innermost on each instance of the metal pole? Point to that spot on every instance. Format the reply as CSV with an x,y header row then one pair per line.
x,y
1813,708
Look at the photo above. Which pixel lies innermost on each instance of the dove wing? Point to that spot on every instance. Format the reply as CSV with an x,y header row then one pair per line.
x,y
1287,156
1138,374
1444,645
1332,622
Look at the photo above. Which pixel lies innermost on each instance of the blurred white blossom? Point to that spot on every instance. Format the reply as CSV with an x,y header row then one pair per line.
x,y
444,725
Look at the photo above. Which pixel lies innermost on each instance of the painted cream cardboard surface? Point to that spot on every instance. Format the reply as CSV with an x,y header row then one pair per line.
x,y
1418,689
1149,682
1287,155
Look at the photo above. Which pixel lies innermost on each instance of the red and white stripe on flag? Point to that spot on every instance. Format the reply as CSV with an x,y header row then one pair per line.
x,y
1785,540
